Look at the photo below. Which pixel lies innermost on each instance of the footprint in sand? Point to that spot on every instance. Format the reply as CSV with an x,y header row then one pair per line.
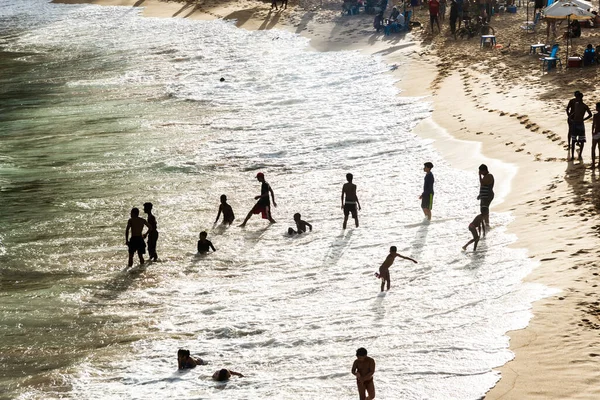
x,y
513,115
508,143
518,150
502,113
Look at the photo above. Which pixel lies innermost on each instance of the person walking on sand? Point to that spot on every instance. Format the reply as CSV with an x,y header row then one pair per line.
x,y
227,211
152,232
453,16
578,112
474,227
427,196
596,136
263,205
486,193
363,369
434,10
274,5
136,242
350,200
384,269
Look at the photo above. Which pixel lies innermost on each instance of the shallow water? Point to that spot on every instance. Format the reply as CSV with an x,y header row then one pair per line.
x,y
103,110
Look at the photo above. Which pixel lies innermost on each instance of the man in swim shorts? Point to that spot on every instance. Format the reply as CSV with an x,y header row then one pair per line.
x,y
364,368
263,205
136,242
427,195
384,269
350,201
596,135
577,112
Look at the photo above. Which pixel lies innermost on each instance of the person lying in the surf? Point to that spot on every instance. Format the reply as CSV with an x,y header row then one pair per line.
x,y
224,375
185,361
204,244
300,225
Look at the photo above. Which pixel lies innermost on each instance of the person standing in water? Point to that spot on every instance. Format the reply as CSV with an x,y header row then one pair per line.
x,y
486,193
363,369
384,270
227,211
350,201
152,233
204,244
263,205
427,196
136,243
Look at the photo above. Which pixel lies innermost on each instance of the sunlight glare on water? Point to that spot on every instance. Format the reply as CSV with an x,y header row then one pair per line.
x,y
118,110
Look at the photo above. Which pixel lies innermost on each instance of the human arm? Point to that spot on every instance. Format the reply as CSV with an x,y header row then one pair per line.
x,y
406,258
272,195
594,124
127,232
198,246
211,246
482,228
309,226
355,370
357,202
219,213
589,113
343,193
236,373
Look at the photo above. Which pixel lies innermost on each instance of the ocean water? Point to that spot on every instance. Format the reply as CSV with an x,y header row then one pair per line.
x,y
102,110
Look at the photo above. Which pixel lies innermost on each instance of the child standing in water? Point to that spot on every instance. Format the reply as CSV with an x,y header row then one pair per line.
x,y
227,211
384,270
477,225
204,244
300,225
364,368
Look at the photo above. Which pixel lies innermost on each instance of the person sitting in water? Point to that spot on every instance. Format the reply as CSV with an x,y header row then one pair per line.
x,y
184,361
227,211
300,225
224,375
204,244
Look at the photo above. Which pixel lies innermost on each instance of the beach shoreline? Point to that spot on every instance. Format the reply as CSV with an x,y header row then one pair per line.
x,y
555,354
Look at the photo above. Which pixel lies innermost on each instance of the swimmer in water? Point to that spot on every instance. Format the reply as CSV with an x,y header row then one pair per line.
x,y
224,375
204,244
184,361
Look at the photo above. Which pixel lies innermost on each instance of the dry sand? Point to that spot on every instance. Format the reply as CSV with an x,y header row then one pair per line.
x,y
499,102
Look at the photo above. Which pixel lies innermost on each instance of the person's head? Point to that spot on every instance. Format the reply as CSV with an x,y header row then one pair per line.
x,y
361,353
349,177
223,375
203,235
147,207
260,176
427,166
223,199
590,47
135,212
578,95
297,217
393,249
222,79
483,169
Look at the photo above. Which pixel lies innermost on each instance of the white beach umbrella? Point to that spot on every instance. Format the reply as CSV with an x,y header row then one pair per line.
x,y
568,10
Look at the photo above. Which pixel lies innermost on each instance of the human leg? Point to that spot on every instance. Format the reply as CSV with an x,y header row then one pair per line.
x,y
370,388
247,217
361,390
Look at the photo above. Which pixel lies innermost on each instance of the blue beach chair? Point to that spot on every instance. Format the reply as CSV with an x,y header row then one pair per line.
x,y
551,61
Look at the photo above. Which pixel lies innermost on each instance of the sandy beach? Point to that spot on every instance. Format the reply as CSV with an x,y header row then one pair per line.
x,y
497,102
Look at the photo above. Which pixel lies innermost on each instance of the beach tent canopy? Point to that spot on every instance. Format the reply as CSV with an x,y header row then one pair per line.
x,y
568,9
